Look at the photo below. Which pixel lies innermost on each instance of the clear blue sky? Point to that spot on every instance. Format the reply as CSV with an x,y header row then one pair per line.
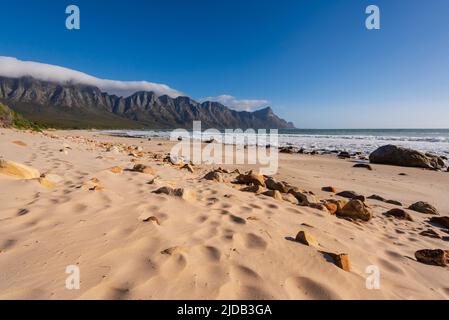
x,y
312,59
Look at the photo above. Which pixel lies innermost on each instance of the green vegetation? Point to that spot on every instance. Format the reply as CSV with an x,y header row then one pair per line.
x,y
10,118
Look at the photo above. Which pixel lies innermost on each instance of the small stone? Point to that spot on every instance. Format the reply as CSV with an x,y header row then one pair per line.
x,y
251,178
332,208
95,180
290,198
143,169
49,180
18,170
344,155
20,143
96,188
272,184
435,257
153,219
363,165
23,212
339,203
253,189
399,214
214,176
188,167
306,238
342,261
164,190
351,195
377,197
186,194
396,203
356,209
273,194
221,170
424,207
319,206
304,199
173,250
329,189
116,170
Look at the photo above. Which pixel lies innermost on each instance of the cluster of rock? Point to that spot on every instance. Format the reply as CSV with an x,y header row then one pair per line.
x,y
352,209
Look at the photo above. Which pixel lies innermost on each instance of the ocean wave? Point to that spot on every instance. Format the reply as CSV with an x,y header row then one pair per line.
x,y
364,143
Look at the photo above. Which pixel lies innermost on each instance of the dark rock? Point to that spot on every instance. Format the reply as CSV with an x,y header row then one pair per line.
x,y
23,212
214,176
424,207
377,197
363,165
344,155
399,156
272,184
351,195
435,257
304,199
443,221
399,214
329,189
397,203
289,150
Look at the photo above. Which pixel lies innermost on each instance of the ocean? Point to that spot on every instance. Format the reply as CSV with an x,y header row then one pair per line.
x,y
352,140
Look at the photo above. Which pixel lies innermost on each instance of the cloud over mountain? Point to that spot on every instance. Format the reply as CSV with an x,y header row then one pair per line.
x,y
14,68
241,105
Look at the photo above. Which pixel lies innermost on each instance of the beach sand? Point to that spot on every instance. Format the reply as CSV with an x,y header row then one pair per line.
x,y
222,243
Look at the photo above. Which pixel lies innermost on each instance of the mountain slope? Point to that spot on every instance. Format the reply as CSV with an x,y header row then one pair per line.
x,y
81,106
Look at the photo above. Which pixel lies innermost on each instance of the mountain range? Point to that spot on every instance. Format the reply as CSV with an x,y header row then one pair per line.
x,y
69,105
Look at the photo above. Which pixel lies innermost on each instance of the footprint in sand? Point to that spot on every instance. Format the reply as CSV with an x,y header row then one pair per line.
x,y
236,219
250,241
307,288
7,244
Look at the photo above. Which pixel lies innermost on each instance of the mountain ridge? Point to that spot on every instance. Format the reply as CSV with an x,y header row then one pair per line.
x,y
70,105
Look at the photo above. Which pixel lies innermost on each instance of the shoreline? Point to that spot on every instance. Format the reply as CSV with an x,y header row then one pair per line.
x,y
215,241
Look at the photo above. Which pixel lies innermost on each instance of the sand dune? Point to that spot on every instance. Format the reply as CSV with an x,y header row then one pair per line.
x,y
221,243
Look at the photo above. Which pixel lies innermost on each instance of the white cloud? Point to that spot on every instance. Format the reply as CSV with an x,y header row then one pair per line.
x,y
240,105
14,68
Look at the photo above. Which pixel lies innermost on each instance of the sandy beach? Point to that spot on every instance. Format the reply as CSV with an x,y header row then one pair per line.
x,y
212,240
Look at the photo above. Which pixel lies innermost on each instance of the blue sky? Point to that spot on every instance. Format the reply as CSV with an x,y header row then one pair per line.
x,y
314,61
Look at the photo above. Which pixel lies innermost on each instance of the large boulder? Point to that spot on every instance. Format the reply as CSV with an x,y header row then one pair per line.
x,y
399,156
